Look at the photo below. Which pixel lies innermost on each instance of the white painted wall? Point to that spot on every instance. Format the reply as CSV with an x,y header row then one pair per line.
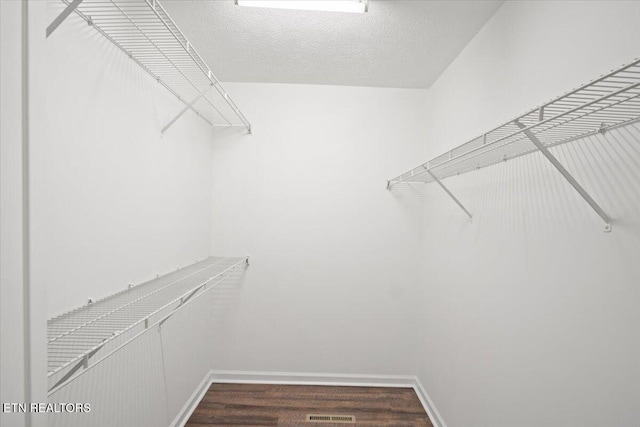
x,y
530,314
110,203
334,255
22,313
113,202
12,381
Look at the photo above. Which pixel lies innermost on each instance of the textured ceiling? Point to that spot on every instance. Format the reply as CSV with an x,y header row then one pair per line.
x,y
396,44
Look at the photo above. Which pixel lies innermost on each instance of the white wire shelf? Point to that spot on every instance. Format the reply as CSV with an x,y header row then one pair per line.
x,y
81,336
146,33
610,101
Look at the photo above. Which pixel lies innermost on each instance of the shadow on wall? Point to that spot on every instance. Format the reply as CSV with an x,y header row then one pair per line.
x,y
410,199
409,193
222,132
527,193
224,307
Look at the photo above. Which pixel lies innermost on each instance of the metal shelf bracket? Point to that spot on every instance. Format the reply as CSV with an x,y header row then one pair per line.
x,y
435,178
82,363
187,107
63,15
567,175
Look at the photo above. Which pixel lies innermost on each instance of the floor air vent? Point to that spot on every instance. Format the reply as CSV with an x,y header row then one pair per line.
x,y
347,419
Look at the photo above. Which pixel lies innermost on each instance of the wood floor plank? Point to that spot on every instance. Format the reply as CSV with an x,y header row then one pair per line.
x,y
288,405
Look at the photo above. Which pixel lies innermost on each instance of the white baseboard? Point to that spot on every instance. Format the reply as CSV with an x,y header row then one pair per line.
x,y
427,404
300,378
183,416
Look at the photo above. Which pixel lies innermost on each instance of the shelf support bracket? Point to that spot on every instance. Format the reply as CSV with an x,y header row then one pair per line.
x,y
184,300
60,19
83,363
435,178
188,107
565,173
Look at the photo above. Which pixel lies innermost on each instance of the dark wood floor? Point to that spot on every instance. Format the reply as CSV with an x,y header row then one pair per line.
x,y
288,405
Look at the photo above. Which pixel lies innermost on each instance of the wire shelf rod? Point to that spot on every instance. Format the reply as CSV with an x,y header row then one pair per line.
x,y
206,285
610,101
134,288
463,157
208,72
144,31
129,303
626,95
